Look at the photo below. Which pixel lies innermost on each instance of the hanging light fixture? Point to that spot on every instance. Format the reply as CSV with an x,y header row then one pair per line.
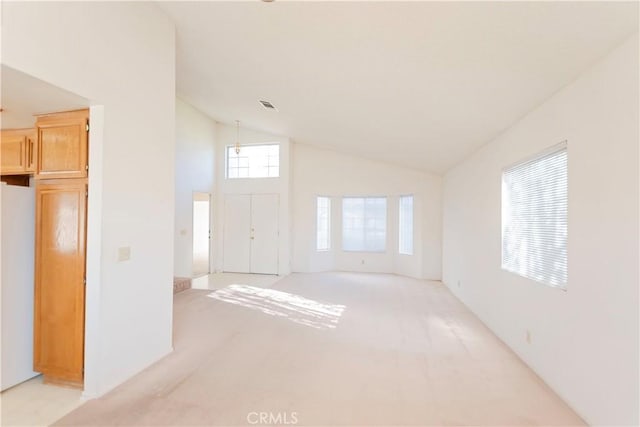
x,y
237,137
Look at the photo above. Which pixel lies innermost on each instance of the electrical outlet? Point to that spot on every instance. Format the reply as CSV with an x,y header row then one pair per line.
x,y
528,336
362,261
124,253
458,283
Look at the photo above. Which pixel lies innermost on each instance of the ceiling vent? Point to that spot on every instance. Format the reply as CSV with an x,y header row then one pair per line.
x,y
268,105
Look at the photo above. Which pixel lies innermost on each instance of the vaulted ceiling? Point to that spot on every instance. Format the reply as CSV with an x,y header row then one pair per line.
x,y
420,84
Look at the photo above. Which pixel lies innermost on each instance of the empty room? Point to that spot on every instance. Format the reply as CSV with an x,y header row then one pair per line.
x,y
318,213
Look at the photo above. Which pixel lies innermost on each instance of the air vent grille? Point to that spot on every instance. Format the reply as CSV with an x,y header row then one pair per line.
x,y
268,105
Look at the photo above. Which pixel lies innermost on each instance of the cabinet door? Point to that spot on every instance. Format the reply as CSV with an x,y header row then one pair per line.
x,y
13,153
62,145
59,280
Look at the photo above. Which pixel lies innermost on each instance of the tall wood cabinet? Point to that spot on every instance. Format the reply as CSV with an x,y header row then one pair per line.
x,y
61,218
61,208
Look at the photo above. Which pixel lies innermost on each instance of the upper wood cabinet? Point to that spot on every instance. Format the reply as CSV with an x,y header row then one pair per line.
x,y
62,145
18,151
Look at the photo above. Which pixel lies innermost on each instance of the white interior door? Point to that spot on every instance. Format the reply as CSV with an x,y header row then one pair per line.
x,y
237,232
201,233
264,233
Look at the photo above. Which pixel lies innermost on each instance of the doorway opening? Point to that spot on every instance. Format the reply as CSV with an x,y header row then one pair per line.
x,y
54,188
201,234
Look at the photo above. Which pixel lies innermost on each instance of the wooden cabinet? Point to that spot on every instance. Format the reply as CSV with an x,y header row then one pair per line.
x,y
18,151
56,153
61,207
62,145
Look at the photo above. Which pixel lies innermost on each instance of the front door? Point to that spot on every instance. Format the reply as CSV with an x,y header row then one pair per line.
x,y
250,241
264,233
237,232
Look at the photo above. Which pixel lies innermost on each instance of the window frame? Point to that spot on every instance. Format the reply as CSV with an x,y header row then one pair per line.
x,y
263,144
541,155
386,228
328,248
400,223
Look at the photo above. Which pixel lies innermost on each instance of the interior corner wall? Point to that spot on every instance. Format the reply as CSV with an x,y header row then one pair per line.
x,y
584,342
226,136
120,55
195,172
320,172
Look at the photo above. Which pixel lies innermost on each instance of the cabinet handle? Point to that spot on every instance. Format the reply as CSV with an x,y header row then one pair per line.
x,y
30,152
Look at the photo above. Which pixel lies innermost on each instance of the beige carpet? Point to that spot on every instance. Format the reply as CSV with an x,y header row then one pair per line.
x,y
330,349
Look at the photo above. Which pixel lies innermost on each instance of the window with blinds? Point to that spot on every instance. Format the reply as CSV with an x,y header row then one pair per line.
x,y
364,224
534,218
405,226
323,224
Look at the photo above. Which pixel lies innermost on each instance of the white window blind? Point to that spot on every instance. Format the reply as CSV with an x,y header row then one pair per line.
x,y
254,161
405,226
364,224
323,224
534,218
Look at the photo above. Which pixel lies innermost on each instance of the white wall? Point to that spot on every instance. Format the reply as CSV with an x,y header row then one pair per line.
x,y
195,166
18,240
584,342
121,56
226,135
319,172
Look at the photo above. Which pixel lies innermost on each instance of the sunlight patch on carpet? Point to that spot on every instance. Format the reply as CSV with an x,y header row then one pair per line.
x,y
295,308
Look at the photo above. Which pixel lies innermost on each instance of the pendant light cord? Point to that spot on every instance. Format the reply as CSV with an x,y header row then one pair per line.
x,y
237,137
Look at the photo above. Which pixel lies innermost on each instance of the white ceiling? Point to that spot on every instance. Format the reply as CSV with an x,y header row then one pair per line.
x,y
23,96
421,84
